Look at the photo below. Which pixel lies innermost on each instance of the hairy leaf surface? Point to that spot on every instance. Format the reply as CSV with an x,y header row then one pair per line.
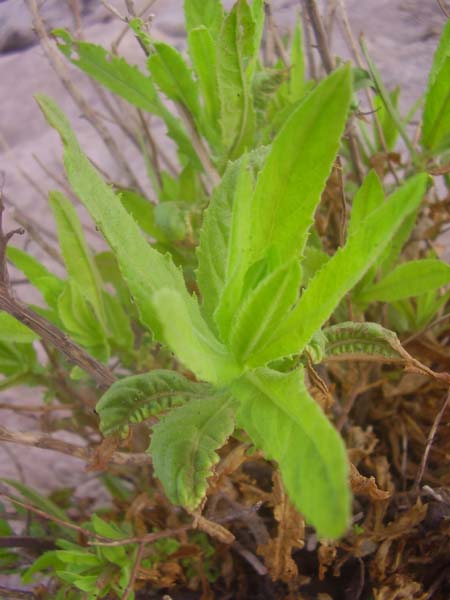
x,y
144,269
359,340
263,309
123,79
199,351
77,256
368,197
199,13
184,447
224,234
280,416
436,113
407,280
134,399
343,271
47,283
173,77
295,172
235,54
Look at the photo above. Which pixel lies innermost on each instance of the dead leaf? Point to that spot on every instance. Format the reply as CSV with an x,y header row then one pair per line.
x,y
366,486
277,553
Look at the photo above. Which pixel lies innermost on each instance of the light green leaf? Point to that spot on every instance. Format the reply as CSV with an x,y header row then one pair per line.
x,y
263,309
173,77
136,398
224,234
144,269
436,113
297,71
200,13
203,55
313,260
142,210
170,220
343,271
36,499
77,256
80,322
408,280
286,423
184,447
295,172
17,358
198,350
388,126
118,323
111,70
124,80
368,197
46,282
236,53
11,330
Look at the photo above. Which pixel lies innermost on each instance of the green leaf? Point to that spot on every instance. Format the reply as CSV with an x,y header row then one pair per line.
x,y
46,282
198,350
343,271
110,273
236,53
173,77
11,330
36,499
80,321
286,423
144,269
199,13
203,55
290,184
142,210
368,197
184,447
124,80
436,113
224,234
262,310
407,280
170,219
77,256
118,323
297,72
136,398
388,126
359,340
17,359
111,70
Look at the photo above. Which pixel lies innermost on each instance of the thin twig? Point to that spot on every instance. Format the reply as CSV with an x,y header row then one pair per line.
x,y
430,440
63,74
46,442
443,8
353,46
40,325
137,563
329,64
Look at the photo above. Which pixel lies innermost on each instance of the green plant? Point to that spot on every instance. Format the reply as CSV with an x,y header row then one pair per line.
x,y
227,272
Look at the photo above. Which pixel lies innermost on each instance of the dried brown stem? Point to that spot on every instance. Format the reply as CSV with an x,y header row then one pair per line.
x,y
63,74
46,442
430,440
444,9
329,64
44,328
137,563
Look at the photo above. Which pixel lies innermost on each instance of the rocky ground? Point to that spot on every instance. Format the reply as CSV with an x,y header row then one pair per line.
x,y
401,34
